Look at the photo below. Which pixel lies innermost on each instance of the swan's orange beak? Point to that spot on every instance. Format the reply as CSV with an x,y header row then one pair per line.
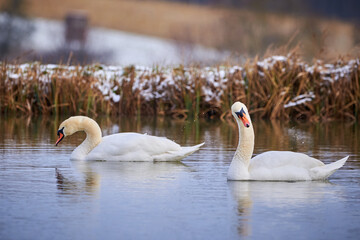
x,y
242,116
245,121
61,135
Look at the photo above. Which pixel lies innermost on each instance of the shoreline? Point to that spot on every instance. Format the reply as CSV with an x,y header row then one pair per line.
x,y
282,87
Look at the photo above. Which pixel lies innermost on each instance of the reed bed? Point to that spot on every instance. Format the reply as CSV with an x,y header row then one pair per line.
x,y
275,87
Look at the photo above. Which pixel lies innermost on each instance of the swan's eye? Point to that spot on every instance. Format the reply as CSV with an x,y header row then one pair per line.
x,y
61,135
60,131
242,116
241,113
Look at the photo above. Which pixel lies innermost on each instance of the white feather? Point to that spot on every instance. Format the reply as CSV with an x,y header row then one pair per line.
x,y
122,146
273,165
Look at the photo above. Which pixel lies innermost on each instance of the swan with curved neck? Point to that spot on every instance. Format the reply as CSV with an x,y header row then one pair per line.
x,y
122,146
272,165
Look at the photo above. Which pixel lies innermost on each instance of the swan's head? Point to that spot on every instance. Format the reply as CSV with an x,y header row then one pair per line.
x,y
68,127
240,112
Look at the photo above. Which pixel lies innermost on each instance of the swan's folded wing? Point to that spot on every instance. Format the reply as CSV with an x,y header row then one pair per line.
x,y
131,147
275,159
282,166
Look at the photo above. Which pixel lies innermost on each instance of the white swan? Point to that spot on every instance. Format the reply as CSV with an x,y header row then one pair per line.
x,y
122,146
272,165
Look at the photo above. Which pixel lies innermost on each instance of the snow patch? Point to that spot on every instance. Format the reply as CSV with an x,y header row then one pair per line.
x,y
301,99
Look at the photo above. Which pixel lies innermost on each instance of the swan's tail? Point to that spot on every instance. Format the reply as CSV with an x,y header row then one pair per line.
x,y
178,155
323,172
186,151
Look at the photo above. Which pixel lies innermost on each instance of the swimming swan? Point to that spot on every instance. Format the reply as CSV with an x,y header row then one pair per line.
x,y
272,165
121,146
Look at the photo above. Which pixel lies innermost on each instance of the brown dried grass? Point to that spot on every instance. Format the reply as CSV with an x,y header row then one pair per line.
x,y
265,90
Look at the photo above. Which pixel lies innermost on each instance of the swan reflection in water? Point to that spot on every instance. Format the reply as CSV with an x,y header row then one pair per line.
x,y
262,200
89,175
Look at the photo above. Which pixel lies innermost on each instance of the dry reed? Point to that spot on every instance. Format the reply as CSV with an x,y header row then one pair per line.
x,y
275,87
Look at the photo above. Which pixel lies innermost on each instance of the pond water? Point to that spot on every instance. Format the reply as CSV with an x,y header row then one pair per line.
x,y
44,195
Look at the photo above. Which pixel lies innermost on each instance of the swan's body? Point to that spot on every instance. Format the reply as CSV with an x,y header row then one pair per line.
x,y
272,165
121,146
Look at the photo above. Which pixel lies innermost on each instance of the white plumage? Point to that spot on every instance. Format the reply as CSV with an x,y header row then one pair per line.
x,y
272,165
121,146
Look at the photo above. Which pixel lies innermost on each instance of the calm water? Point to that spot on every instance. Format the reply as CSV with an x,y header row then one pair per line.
x,y
44,195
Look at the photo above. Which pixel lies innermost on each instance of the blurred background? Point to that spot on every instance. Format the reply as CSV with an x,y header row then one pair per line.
x,y
150,32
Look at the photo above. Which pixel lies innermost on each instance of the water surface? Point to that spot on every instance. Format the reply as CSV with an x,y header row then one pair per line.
x,y
44,195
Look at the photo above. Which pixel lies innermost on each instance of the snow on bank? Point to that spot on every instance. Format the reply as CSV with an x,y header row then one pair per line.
x,y
158,83
123,48
298,100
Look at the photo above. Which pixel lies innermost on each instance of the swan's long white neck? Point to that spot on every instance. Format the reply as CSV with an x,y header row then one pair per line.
x,y
245,146
239,167
93,135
